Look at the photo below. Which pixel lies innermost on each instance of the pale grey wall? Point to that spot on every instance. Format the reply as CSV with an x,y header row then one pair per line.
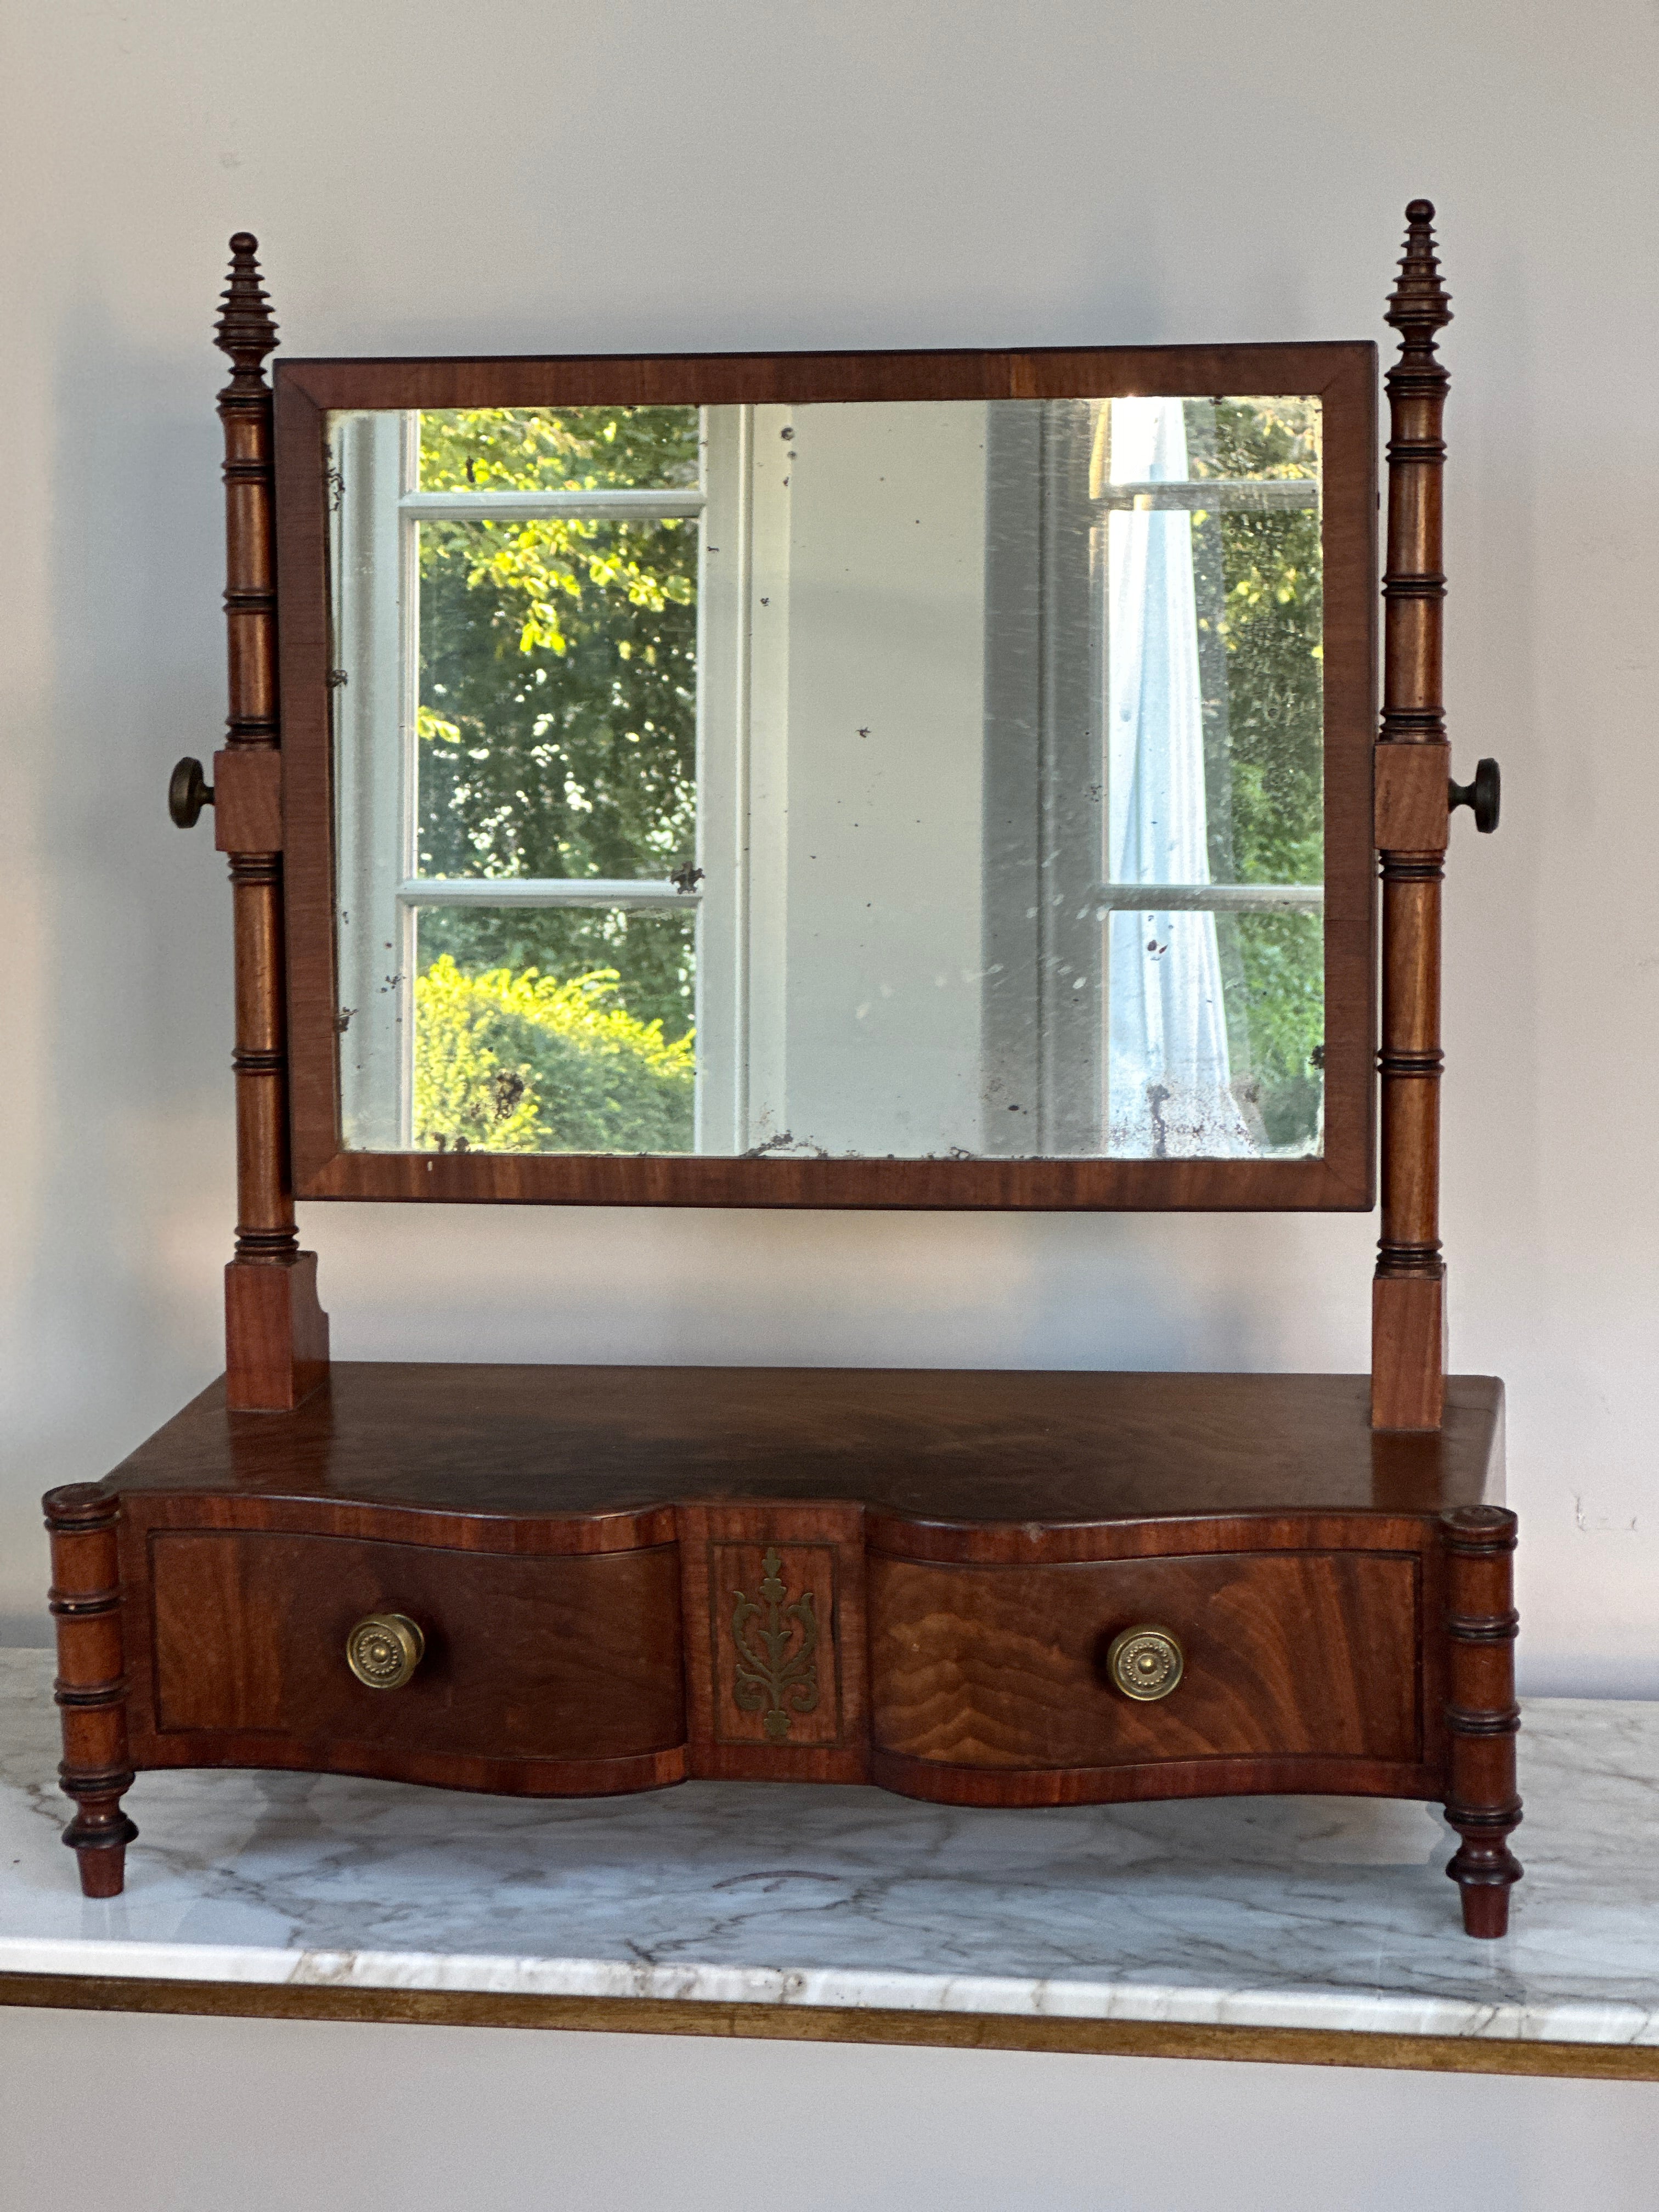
x,y
278,2115
648,174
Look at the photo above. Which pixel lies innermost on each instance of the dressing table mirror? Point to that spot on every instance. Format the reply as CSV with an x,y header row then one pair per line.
x,y
891,781
898,772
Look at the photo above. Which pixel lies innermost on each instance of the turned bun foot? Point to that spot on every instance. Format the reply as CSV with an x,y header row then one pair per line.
x,y
1484,1868
103,1866
1486,1903
100,1832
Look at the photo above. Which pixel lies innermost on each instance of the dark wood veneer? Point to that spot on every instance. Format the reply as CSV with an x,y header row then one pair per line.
x,y
1482,1716
92,1685
275,1332
1302,1774
543,1657
621,1576
820,1548
1409,1295
289,1129
1343,376
486,1444
947,1556
1295,1654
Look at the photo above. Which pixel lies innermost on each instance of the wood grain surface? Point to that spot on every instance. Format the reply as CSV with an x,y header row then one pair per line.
x,y
1408,1299
820,1551
556,1664
275,1332
1343,376
941,1446
92,1684
1483,1718
1294,1655
627,1576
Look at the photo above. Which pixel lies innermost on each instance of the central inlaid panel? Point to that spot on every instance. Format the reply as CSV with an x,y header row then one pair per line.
x,y
772,1626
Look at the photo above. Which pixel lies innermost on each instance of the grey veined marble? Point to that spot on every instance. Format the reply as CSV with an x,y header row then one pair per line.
x,y
1310,1912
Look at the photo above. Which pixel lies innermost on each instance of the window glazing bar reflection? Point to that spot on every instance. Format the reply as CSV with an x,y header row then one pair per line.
x,y
544,506
544,890
1209,898
1230,494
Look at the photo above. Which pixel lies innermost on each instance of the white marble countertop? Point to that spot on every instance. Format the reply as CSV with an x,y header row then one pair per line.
x,y
1329,1913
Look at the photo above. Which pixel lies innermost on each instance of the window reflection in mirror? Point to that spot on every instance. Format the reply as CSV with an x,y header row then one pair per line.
x,y
914,779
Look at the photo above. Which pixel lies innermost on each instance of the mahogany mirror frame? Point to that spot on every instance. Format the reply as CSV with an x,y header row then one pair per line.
x,y
1343,376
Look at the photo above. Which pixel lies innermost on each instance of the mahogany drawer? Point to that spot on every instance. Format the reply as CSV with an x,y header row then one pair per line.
x,y
569,1659
1287,1655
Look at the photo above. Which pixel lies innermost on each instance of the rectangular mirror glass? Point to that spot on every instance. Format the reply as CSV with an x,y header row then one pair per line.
x,y
909,779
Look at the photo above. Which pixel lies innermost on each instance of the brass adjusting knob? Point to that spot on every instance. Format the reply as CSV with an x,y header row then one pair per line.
x,y
188,793
384,1650
1145,1662
1483,797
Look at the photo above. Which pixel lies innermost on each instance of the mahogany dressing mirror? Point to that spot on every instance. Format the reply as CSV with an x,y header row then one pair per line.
x,y
907,780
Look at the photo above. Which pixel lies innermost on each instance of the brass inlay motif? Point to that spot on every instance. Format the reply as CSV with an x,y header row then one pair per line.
x,y
774,1679
1146,1663
384,1650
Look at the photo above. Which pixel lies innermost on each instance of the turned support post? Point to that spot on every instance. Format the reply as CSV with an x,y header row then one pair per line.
x,y
276,1333
1482,1718
91,1689
1409,1310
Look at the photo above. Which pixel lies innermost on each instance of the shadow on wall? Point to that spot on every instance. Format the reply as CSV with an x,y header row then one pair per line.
x,y
120,1036
973,1291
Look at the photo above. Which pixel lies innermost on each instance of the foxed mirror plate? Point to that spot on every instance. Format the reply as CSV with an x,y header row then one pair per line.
x,y
903,779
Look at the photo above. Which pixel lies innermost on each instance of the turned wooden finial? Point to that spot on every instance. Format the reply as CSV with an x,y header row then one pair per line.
x,y
1418,306
245,330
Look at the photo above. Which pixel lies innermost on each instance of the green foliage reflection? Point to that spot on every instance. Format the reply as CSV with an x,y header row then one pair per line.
x,y
1265,721
525,1063
558,684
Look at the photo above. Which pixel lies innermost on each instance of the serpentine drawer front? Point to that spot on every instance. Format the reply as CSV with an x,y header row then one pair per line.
x,y
414,1659
1273,1656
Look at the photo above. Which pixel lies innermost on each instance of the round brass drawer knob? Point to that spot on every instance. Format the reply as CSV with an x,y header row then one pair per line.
x,y
384,1650
1146,1663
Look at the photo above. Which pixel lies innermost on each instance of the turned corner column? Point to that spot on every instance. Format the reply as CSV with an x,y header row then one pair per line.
x,y
1482,1718
276,1333
1413,780
91,1689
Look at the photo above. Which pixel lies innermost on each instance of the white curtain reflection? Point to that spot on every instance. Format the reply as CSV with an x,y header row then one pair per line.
x,y
1169,1091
